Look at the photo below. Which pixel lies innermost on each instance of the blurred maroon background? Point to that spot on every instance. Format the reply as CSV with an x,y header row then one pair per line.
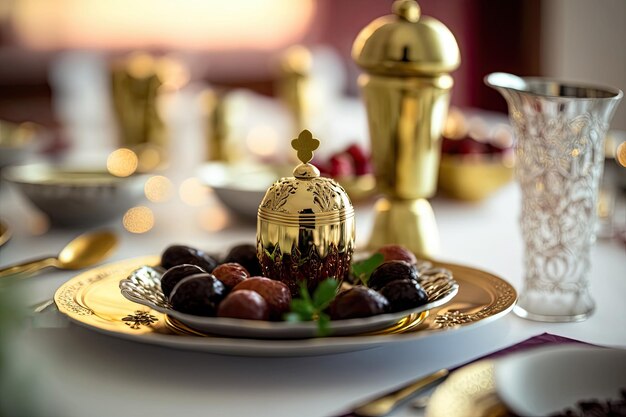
x,y
493,36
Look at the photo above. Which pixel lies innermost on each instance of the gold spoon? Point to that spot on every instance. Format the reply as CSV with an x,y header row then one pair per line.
x,y
86,250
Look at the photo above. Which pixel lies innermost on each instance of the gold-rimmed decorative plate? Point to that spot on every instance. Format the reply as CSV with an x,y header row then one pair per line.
x,y
468,392
93,299
143,286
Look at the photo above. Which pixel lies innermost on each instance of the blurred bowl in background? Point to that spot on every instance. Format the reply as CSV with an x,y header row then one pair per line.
x,y
359,188
475,177
17,142
72,196
241,186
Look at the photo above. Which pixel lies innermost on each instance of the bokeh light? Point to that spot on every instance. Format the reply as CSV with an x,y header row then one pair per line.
x,y
138,219
192,192
38,224
122,162
502,136
456,125
214,25
214,218
620,154
478,129
141,65
262,140
149,158
158,188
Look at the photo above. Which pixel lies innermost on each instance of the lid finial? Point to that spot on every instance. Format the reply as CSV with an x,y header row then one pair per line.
x,y
305,144
408,10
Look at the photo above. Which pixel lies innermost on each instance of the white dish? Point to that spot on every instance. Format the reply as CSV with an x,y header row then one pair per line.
x,y
143,286
76,196
550,380
240,187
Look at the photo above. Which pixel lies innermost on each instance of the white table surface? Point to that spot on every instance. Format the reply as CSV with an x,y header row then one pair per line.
x,y
72,371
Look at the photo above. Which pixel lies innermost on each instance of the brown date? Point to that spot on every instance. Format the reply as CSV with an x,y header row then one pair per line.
x,y
230,274
244,304
358,301
391,271
174,275
180,254
275,293
198,294
404,294
245,255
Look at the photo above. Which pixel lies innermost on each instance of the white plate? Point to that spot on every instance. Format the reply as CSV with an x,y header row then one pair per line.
x,y
143,286
550,380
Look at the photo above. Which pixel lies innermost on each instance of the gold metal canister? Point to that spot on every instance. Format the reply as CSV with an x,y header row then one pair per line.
x,y
305,225
406,89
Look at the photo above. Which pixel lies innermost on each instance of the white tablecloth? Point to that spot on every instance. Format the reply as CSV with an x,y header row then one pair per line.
x,y
72,371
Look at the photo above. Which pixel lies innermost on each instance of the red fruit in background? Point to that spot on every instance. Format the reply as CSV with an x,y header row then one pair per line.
x,y
449,146
469,146
362,164
323,167
341,165
397,253
491,148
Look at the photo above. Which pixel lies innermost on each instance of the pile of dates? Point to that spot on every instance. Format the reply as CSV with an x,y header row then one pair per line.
x,y
196,283
392,287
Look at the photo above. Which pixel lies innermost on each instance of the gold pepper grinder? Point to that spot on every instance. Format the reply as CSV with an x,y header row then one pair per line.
x,y
406,89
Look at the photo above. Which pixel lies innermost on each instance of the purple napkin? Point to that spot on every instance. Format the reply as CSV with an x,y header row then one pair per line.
x,y
544,339
535,341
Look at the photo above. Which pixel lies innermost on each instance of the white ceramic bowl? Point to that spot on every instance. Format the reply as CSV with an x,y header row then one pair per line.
x,y
241,187
72,196
545,381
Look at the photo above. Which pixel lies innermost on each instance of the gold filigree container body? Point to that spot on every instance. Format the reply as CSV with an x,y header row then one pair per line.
x,y
406,90
305,225
560,130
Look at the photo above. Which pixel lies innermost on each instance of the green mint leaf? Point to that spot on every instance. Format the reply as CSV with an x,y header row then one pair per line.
x,y
304,309
363,269
304,292
323,325
325,293
292,317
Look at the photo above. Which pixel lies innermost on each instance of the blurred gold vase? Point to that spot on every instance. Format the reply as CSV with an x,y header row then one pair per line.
x,y
406,89
137,84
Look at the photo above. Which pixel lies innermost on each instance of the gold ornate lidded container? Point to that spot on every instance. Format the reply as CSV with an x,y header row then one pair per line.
x,y
305,225
406,89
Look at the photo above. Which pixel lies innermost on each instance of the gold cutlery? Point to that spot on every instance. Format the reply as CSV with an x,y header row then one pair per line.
x,y
85,250
384,404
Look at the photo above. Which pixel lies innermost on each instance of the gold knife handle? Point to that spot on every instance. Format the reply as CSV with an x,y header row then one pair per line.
x,y
384,404
28,268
